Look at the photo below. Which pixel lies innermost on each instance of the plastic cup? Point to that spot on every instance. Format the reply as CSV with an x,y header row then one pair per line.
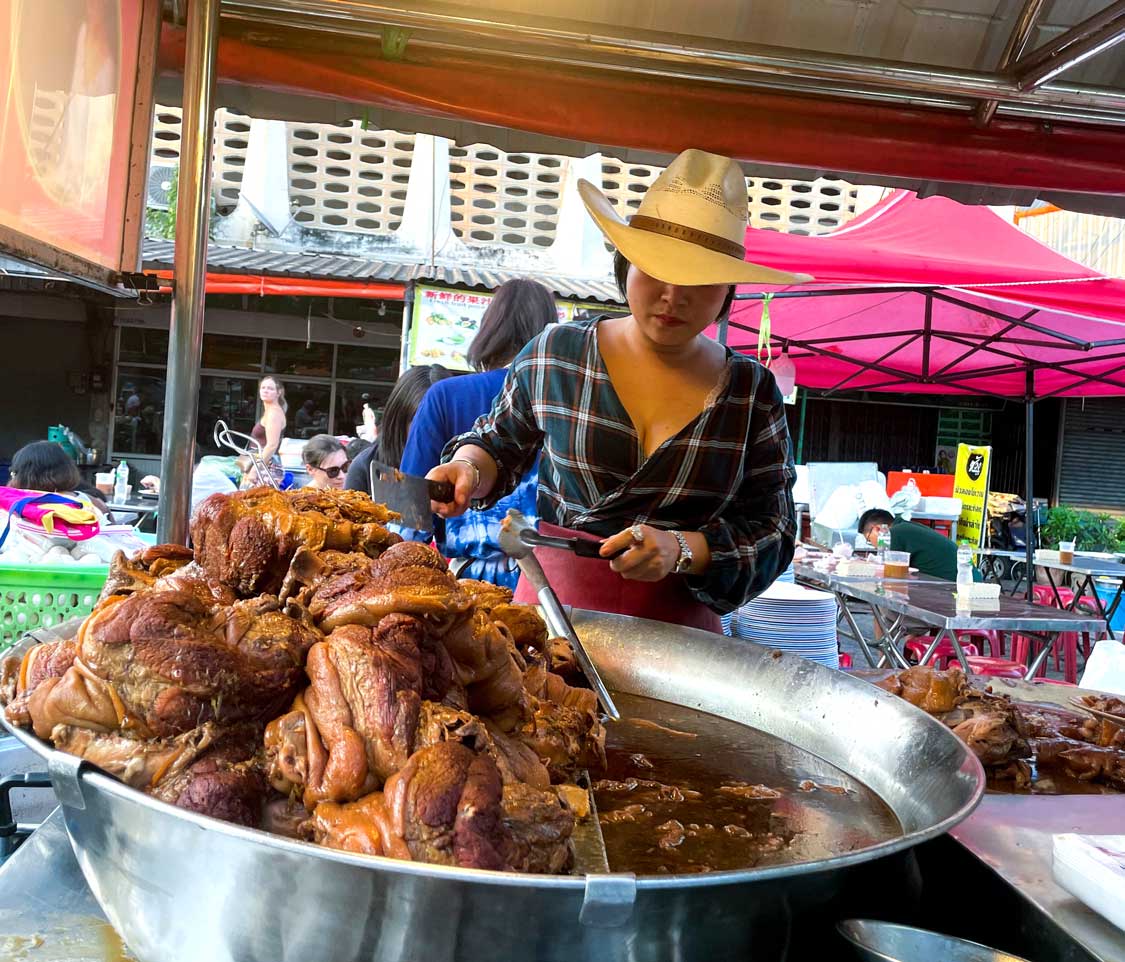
x,y
103,481
1066,552
896,564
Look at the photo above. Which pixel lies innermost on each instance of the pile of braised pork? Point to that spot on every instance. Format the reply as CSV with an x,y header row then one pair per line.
x,y
1017,741
308,672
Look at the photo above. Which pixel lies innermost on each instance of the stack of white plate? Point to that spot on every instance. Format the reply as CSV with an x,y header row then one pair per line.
x,y
792,619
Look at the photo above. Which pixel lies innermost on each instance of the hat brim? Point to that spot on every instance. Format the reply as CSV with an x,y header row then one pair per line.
x,y
672,260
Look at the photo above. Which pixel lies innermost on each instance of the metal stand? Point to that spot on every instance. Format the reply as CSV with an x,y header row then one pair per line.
x,y
225,437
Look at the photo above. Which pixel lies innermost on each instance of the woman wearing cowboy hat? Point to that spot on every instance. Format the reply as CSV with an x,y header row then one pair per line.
x,y
655,438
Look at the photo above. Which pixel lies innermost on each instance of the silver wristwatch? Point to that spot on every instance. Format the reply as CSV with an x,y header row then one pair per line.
x,y
683,563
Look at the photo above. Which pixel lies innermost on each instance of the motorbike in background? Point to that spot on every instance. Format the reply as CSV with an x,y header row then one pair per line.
x,y
1007,531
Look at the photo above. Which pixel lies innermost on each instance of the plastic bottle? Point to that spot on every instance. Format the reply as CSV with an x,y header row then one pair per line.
x,y
964,569
121,483
882,545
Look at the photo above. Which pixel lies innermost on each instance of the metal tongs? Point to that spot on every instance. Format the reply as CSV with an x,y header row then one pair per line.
x,y
225,438
1118,720
580,546
516,539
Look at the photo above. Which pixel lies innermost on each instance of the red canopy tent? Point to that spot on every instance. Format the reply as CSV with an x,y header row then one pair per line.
x,y
930,296
933,296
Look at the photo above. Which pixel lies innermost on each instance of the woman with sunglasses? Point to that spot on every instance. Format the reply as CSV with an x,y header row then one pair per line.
x,y
326,461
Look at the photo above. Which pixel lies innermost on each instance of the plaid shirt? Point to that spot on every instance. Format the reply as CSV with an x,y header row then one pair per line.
x,y
728,474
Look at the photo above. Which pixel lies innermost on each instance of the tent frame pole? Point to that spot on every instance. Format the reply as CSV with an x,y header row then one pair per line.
x,y
941,376
193,209
1029,526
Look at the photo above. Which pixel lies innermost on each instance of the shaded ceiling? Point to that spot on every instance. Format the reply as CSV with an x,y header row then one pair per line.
x,y
967,98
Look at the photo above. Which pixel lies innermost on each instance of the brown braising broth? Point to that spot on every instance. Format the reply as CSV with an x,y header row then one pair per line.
x,y
680,795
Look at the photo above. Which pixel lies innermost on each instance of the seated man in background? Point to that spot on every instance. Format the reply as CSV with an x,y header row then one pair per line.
x,y
933,554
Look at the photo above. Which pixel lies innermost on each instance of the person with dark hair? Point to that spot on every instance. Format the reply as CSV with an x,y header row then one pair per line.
x,y
355,447
664,445
326,462
933,554
402,404
45,466
520,309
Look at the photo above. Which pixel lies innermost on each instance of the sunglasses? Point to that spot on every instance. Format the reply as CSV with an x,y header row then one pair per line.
x,y
335,471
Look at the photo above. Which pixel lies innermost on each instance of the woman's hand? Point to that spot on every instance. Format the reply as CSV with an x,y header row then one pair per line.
x,y
463,478
651,559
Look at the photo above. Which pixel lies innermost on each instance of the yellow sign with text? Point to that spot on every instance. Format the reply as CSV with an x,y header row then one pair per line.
x,y
970,484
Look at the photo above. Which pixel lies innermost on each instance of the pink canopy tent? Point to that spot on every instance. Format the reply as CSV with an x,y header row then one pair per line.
x,y
936,297
931,296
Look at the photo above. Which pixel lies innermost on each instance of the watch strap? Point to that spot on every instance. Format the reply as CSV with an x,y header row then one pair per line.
x,y
683,563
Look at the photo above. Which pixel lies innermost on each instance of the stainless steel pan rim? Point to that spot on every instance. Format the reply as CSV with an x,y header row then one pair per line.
x,y
112,786
969,771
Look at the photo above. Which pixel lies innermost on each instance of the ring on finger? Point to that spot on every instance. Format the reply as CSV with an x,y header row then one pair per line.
x,y
637,533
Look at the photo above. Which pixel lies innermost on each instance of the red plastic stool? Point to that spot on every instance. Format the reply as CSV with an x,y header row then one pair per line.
x,y
1088,606
981,637
1045,595
995,667
917,645
845,660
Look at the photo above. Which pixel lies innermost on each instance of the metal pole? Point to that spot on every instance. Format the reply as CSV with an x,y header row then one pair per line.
x,y
1078,44
185,342
1029,516
407,327
801,426
723,330
1013,50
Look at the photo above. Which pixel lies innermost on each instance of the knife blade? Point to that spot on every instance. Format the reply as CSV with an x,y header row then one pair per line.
x,y
407,494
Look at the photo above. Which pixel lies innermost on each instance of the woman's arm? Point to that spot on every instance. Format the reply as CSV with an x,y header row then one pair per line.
x,y
275,427
752,542
473,473
740,554
502,445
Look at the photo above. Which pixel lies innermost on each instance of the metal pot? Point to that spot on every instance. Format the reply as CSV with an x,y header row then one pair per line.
x,y
887,942
179,886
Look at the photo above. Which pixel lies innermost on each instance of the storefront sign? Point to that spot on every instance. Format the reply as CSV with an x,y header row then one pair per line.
x,y
970,484
445,322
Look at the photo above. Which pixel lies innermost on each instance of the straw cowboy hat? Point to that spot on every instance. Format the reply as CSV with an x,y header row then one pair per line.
x,y
691,226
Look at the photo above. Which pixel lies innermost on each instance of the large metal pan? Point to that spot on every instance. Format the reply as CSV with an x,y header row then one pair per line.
x,y
178,886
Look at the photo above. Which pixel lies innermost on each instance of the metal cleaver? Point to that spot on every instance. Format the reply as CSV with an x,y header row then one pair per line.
x,y
410,496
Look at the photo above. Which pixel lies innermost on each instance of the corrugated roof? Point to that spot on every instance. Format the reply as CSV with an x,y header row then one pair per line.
x,y
158,254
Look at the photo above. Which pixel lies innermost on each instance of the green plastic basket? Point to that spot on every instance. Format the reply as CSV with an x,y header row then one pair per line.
x,y
41,597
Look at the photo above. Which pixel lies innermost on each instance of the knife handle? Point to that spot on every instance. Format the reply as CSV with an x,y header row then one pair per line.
x,y
441,491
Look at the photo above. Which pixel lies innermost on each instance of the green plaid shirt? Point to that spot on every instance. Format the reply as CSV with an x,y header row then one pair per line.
x,y
728,474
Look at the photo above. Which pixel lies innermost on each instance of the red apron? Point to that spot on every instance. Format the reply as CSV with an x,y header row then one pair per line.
x,y
589,583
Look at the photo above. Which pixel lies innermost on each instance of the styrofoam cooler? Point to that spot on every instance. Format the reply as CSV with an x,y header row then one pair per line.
x,y
932,504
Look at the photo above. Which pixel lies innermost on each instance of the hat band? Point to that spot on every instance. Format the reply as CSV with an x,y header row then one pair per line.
x,y
698,237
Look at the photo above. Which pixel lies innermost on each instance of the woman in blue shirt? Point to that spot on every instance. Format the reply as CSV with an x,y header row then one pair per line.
x,y
519,311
